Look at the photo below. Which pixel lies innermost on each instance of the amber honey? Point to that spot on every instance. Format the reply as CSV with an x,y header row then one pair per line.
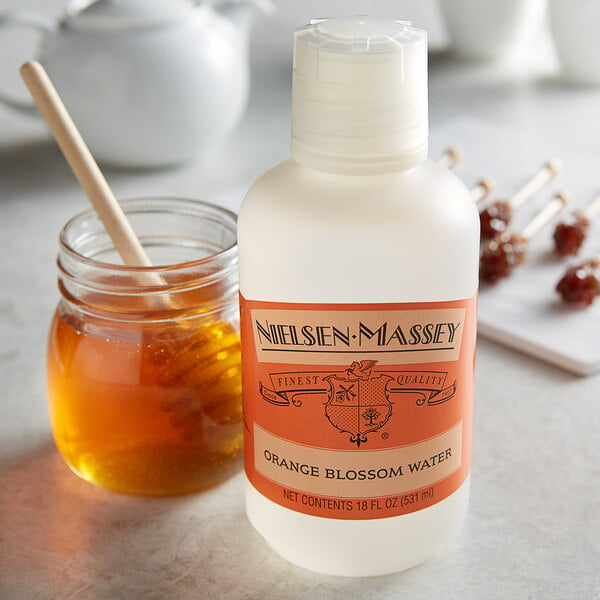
x,y
158,417
144,374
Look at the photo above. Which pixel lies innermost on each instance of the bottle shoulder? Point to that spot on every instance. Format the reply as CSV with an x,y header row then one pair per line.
x,y
427,192
400,237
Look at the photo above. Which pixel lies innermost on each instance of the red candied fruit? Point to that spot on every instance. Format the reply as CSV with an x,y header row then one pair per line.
x,y
501,255
570,234
494,219
581,284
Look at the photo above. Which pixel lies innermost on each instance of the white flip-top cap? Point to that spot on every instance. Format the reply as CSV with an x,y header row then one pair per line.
x,y
359,95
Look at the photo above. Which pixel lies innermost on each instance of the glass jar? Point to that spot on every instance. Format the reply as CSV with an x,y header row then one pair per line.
x,y
144,376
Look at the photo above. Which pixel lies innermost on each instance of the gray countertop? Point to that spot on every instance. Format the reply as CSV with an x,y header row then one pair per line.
x,y
533,529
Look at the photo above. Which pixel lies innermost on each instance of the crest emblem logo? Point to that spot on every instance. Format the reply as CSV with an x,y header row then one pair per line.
x,y
358,403
358,400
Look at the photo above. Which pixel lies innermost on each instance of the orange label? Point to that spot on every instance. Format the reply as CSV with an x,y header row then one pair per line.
x,y
358,411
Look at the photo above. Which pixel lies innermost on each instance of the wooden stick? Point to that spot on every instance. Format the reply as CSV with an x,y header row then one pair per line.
x,y
549,170
590,211
450,157
558,203
83,165
482,189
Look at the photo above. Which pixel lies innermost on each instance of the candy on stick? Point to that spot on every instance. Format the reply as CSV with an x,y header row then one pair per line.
x,y
580,284
508,250
496,217
571,232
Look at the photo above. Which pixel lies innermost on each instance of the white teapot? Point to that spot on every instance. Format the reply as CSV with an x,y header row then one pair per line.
x,y
148,82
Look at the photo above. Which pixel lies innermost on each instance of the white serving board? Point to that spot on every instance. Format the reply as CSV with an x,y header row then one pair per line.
x,y
524,311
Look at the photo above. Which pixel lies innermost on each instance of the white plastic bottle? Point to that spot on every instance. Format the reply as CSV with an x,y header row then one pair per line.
x,y
358,276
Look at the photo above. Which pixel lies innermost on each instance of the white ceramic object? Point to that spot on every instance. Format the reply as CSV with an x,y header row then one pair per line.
x,y
148,82
575,26
490,29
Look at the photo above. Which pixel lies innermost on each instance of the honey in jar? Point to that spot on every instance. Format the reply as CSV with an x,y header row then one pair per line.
x,y
144,379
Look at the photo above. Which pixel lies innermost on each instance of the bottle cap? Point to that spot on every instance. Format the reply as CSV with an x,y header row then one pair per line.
x,y
359,99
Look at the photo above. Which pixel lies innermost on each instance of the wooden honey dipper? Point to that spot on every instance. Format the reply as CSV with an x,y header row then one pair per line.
x,y
502,254
223,403
85,168
496,217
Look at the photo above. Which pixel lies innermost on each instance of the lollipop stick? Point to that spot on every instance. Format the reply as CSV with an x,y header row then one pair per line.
x,y
450,157
535,183
482,189
83,165
558,203
591,211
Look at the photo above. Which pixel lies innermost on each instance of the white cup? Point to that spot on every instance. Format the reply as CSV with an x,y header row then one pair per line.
x,y
575,28
490,29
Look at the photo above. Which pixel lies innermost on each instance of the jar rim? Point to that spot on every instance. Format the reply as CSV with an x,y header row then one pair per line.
x,y
130,205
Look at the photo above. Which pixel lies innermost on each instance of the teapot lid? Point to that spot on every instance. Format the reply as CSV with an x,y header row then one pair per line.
x,y
127,14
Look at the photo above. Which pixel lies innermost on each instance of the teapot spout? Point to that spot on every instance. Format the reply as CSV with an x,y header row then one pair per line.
x,y
242,13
